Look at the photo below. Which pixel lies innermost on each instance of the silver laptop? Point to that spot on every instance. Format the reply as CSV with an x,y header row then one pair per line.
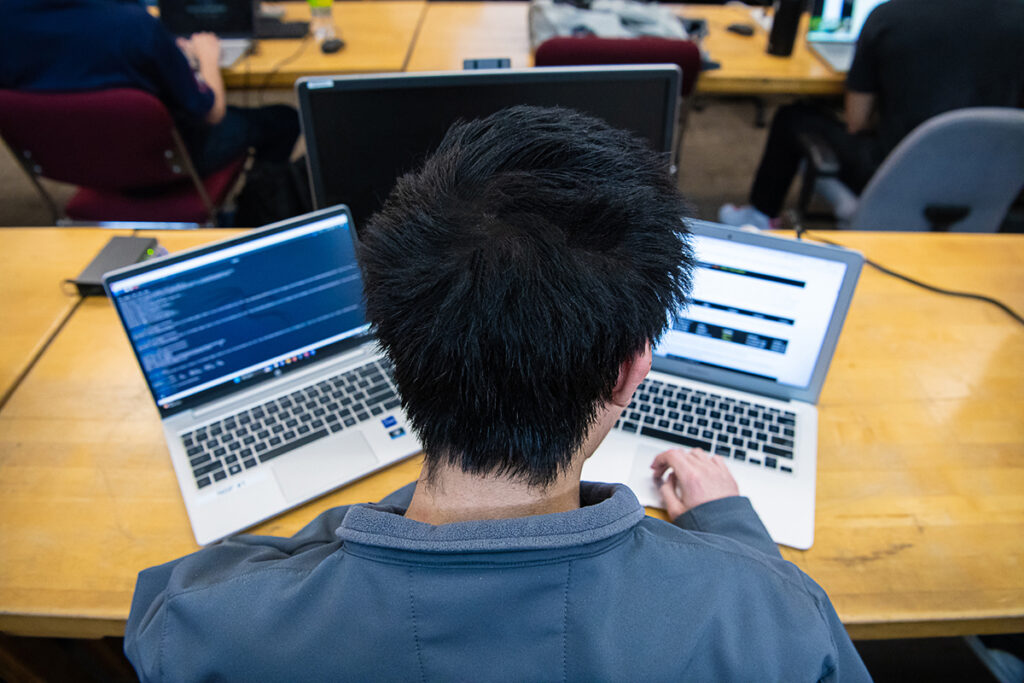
x,y
232,20
739,372
257,353
834,28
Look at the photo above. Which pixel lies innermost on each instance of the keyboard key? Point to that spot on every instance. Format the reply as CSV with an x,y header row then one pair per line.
x,y
731,429
629,426
787,421
788,432
206,469
219,476
303,429
249,463
755,461
664,424
195,450
361,416
281,450
692,431
234,469
753,445
196,462
778,451
392,404
231,458
648,419
676,438
770,463
634,416
334,427
220,452
659,412
779,441
761,436
723,451
203,482
739,454
688,419
708,434
737,441
759,425
784,468
773,429
349,421
376,410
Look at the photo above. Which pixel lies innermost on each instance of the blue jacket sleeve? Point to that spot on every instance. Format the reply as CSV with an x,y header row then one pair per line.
x,y
733,517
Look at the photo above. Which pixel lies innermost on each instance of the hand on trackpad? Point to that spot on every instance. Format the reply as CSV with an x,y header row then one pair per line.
x,y
641,478
337,459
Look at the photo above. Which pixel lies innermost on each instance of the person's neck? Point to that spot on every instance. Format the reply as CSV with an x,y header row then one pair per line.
x,y
451,495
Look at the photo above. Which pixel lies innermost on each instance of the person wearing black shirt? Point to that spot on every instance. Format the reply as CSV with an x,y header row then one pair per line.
x,y
914,59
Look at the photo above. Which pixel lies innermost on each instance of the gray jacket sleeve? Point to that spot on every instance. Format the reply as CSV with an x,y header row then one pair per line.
x,y
733,517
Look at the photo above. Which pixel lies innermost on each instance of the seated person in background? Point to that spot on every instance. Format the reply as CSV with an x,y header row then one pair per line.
x,y
517,281
915,59
73,45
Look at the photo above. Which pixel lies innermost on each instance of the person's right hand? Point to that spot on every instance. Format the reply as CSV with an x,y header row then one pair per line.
x,y
206,48
696,477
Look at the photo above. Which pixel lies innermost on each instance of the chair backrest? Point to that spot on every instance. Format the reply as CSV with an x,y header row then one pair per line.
x,y
590,50
959,170
117,139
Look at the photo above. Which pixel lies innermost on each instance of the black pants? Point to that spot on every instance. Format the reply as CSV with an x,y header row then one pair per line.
x,y
858,154
271,131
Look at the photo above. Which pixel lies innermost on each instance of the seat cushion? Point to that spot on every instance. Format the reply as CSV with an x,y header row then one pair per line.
x,y
179,203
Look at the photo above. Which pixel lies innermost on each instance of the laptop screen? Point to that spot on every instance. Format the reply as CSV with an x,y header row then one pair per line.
x,y
760,312
210,321
226,18
839,20
363,132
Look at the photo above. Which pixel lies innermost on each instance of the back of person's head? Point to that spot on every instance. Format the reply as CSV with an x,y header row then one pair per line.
x,y
509,278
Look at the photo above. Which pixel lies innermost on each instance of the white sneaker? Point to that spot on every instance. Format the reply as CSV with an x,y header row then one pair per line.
x,y
740,216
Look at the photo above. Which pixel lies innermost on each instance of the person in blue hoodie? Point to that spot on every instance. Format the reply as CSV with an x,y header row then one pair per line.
x,y
516,281
79,45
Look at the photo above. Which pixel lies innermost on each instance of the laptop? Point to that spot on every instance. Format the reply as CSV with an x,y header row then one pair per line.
x,y
232,20
738,374
834,28
256,351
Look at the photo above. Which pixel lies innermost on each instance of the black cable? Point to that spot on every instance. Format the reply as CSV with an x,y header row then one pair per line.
x,y
303,44
801,231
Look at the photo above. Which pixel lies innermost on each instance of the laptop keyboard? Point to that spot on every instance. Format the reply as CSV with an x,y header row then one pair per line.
x,y
256,435
731,428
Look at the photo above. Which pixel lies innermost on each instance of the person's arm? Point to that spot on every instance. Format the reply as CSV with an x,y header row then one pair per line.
x,y
205,48
859,108
700,494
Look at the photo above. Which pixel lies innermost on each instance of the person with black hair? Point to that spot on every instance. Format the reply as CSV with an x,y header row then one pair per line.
x,y
517,281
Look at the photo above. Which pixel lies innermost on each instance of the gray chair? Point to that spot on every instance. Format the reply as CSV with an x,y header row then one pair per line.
x,y
959,171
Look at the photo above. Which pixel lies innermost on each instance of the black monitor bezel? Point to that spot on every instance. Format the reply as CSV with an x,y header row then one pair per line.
x,y
309,87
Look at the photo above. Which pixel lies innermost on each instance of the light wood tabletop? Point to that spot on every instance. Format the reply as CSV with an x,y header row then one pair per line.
x,y
454,31
378,36
33,298
920,512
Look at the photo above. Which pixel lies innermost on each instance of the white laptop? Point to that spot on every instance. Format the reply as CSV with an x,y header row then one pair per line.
x,y
739,372
834,28
257,353
232,20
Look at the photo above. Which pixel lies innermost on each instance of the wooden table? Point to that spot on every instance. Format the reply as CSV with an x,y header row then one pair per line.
x,y
33,303
378,37
453,31
920,519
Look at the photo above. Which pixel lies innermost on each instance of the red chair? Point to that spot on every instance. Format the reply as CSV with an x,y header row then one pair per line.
x,y
121,148
591,50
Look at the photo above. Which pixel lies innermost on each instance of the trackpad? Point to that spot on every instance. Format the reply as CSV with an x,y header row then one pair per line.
x,y
323,464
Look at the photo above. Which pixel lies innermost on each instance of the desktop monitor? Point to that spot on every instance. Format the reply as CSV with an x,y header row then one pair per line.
x,y
226,18
363,132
